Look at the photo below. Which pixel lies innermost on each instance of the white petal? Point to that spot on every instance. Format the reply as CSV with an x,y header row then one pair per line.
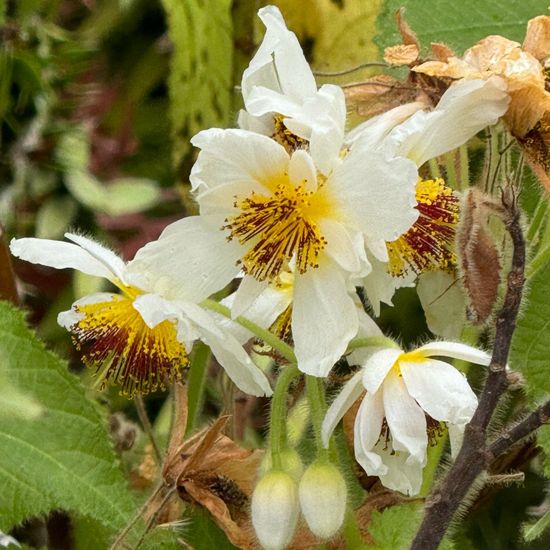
x,y
279,54
378,249
403,474
456,435
235,163
405,418
344,246
377,367
465,108
324,318
368,425
189,261
370,134
301,170
379,285
230,354
367,326
261,125
349,393
456,350
59,255
441,390
248,291
377,194
67,319
101,253
154,309
262,100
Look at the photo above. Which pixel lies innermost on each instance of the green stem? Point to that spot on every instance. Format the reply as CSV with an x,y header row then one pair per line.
x,y
196,382
268,337
372,342
317,405
277,435
434,168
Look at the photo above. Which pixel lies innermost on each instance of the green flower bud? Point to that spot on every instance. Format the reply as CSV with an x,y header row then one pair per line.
x,y
323,496
275,509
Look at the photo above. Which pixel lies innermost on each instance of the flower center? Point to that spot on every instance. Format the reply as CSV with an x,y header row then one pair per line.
x,y
429,243
280,226
282,135
114,338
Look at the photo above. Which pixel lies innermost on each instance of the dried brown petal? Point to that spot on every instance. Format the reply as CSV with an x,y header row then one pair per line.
x,y
536,146
478,256
537,38
407,34
401,54
441,51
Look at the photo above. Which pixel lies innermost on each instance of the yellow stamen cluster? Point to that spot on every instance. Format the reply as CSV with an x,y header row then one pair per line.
x,y
279,227
429,243
116,341
282,135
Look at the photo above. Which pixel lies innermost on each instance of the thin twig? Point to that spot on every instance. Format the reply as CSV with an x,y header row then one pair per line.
x,y
352,69
474,456
144,419
153,519
523,429
8,288
118,541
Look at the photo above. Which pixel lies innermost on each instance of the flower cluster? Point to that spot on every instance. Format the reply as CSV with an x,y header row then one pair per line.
x,y
302,214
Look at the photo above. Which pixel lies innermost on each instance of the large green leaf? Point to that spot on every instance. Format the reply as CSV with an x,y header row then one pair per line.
x,y
64,458
458,24
201,69
531,342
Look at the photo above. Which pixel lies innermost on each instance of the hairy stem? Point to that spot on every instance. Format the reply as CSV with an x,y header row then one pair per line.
x,y
474,456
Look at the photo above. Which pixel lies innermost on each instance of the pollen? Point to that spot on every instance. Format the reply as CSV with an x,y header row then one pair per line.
x,y
429,243
114,339
279,227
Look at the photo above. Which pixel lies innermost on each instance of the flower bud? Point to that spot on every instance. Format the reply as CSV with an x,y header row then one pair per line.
x,y
275,509
323,496
291,463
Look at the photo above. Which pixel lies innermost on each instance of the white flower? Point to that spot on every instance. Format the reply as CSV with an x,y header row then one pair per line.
x,y
7,540
407,396
464,109
141,337
267,211
281,97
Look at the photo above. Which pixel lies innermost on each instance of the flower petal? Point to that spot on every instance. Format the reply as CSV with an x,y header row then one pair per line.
x,y
405,418
377,366
368,426
248,291
101,253
403,474
60,255
349,393
190,261
279,63
345,247
67,319
456,350
440,389
301,170
235,163
382,212
230,354
465,108
324,318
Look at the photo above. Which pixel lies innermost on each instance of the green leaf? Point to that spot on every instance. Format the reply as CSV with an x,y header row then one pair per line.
x,y
535,530
17,403
395,528
201,68
54,217
202,533
64,458
458,24
531,341
122,196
